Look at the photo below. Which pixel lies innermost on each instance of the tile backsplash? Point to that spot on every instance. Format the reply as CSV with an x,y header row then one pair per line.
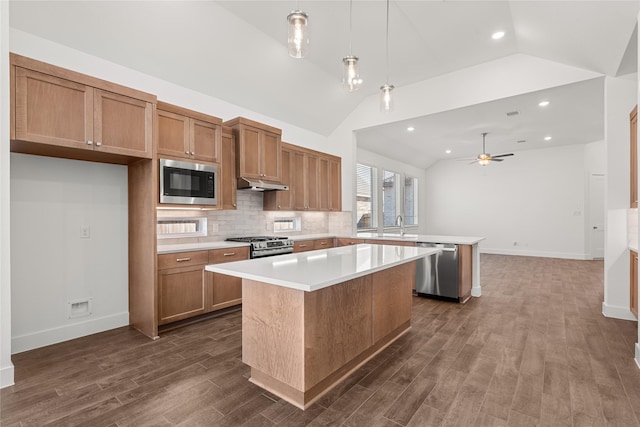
x,y
251,220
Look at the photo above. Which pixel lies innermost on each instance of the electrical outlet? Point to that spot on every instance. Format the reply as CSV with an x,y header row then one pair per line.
x,y
214,228
85,232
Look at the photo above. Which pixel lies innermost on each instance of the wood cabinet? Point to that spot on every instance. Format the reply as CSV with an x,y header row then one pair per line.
x,y
188,134
185,289
228,182
633,193
302,246
224,291
314,181
324,243
390,242
258,149
282,200
346,241
181,285
633,282
57,112
465,272
313,244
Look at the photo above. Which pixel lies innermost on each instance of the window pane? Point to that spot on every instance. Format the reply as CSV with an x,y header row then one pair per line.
x,y
364,196
410,201
390,197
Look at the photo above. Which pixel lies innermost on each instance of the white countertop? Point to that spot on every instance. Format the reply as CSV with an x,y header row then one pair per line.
x,y
202,246
310,271
424,238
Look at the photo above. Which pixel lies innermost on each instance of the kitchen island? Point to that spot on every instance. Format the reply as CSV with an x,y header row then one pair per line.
x,y
312,318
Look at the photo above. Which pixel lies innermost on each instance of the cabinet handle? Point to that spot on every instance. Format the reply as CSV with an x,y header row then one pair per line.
x,y
98,144
186,152
182,259
229,254
193,153
89,142
323,243
278,206
234,205
303,246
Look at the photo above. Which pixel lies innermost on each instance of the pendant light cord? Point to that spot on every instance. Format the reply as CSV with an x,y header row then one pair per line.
x,y
350,24
387,43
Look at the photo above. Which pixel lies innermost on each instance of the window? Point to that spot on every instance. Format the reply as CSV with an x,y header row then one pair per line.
x,y
392,194
365,179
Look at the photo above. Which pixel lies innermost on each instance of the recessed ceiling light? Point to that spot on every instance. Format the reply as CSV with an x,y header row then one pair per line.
x,y
520,141
411,128
448,151
547,138
512,113
497,35
543,103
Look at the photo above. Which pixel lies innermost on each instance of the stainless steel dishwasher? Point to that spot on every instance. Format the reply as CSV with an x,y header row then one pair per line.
x,y
437,275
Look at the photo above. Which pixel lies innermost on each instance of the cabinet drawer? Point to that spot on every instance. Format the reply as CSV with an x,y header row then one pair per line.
x,y
182,259
217,256
323,244
302,246
343,241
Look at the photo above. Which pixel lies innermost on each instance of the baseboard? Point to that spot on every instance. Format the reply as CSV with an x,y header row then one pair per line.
x,y
638,355
617,312
68,332
540,254
6,376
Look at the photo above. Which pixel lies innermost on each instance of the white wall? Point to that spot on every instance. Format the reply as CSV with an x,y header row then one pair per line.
x,y
620,97
373,159
531,204
6,367
52,265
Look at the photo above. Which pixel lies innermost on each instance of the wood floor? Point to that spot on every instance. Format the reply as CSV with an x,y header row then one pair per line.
x,y
533,350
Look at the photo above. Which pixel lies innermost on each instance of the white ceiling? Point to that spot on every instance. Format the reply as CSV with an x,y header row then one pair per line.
x,y
235,51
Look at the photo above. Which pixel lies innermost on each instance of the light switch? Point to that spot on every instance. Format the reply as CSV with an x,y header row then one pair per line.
x,y
85,232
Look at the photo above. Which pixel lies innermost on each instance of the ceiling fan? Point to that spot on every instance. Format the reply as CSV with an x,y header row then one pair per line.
x,y
485,158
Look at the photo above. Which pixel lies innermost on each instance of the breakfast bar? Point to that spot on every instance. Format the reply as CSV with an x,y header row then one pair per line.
x,y
310,319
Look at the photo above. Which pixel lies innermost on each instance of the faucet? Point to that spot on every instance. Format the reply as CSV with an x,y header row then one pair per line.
x,y
400,222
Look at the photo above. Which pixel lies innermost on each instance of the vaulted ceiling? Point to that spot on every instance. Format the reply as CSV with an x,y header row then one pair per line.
x,y
235,50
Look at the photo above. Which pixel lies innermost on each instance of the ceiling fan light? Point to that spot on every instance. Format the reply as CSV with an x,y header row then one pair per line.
x,y
386,98
484,162
298,33
351,80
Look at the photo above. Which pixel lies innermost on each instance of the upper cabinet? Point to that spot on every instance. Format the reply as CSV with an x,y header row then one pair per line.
x,y
258,150
634,157
188,134
62,113
314,181
228,183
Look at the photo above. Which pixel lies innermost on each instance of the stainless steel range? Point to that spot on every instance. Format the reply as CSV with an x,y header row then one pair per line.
x,y
263,246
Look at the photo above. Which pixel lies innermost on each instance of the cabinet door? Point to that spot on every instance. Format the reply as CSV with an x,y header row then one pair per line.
x,y
205,141
50,110
226,291
323,185
302,246
173,134
122,125
270,152
285,199
311,183
465,271
228,182
345,241
181,293
248,152
335,186
297,174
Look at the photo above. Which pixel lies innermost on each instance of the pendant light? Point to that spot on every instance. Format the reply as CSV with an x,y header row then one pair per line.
x,y
351,80
386,98
298,39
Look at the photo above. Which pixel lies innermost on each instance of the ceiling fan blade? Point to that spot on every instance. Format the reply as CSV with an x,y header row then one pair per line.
x,y
502,155
496,160
475,161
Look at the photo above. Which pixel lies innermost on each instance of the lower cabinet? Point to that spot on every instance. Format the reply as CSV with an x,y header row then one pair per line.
x,y
181,286
312,245
346,241
633,283
185,289
224,291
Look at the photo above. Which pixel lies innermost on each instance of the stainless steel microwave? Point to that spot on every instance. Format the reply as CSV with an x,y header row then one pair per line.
x,y
188,183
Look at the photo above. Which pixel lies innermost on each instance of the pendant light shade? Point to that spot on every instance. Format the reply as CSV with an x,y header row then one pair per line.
x,y
351,80
386,99
298,40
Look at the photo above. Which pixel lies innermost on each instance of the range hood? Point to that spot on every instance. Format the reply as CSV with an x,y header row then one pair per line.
x,y
259,185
